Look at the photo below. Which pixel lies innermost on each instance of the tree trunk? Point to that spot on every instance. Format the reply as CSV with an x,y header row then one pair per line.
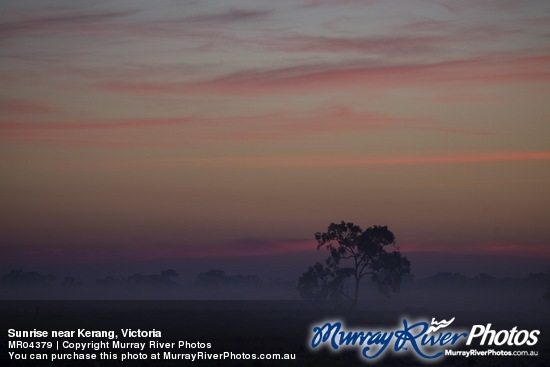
x,y
355,296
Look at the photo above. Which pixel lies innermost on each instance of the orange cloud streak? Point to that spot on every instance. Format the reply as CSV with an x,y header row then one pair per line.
x,y
141,252
492,70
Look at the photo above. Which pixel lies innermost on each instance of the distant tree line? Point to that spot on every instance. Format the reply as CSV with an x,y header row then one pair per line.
x,y
163,280
214,279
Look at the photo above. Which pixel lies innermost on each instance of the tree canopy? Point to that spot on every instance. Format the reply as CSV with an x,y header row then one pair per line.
x,y
354,254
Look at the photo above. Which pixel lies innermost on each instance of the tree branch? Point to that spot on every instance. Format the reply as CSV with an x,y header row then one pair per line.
x,y
345,295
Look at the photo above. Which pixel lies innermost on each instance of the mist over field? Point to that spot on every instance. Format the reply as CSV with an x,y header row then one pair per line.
x,y
442,292
238,171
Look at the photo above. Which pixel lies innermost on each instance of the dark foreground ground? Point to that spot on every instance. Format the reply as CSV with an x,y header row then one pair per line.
x,y
258,327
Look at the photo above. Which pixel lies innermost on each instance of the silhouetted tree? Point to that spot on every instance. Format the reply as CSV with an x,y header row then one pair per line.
x,y
320,282
448,279
69,281
163,280
538,278
212,278
20,278
354,254
485,279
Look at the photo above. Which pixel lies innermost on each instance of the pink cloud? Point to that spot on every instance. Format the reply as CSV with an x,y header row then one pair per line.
x,y
538,21
237,248
63,140
121,23
142,252
491,248
457,7
426,25
367,45
115,124
317,3
41,22
229,16
275,126
340,119
246,248
463,98
449,33
19,107
495,70
331,161
335,119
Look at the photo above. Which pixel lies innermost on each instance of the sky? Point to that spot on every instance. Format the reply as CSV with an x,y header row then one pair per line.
x,y
136,131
